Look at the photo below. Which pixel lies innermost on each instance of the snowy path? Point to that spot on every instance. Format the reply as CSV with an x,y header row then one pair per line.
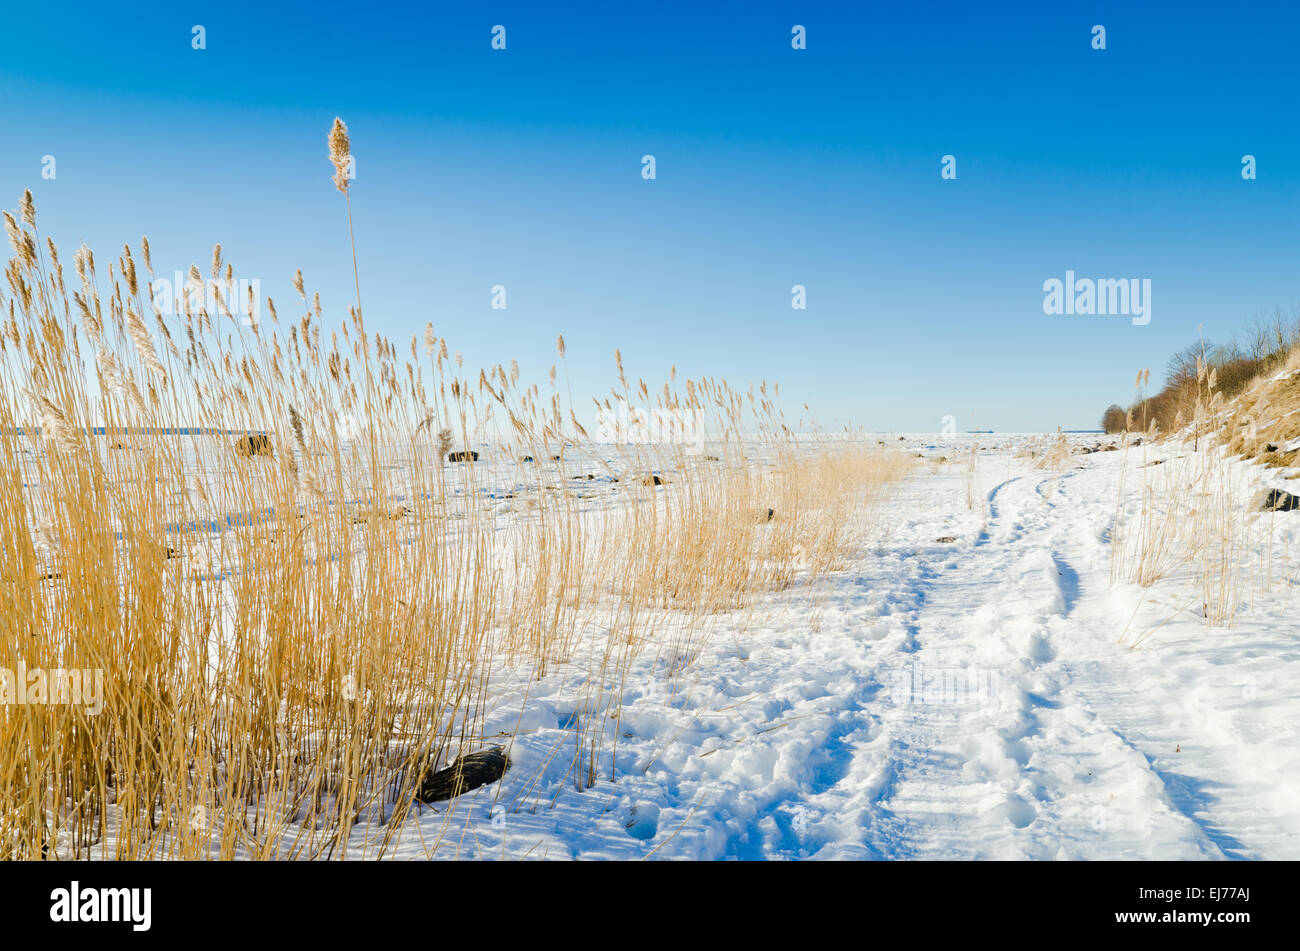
x,y
964,699
1030,767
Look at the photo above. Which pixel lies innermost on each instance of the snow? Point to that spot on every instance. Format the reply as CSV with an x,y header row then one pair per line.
x,y
995,697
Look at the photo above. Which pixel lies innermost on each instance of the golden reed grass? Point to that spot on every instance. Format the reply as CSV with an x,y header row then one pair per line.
x,y
290,639
1193,513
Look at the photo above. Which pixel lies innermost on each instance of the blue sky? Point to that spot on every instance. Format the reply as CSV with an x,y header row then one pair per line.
x,y
775,167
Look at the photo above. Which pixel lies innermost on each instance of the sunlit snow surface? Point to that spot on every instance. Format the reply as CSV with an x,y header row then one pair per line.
x,y
972,699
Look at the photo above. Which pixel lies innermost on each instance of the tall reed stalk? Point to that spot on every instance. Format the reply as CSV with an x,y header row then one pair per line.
x,y
290,641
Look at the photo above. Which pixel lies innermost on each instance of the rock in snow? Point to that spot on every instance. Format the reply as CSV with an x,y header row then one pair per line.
x,y
467,772
1278,500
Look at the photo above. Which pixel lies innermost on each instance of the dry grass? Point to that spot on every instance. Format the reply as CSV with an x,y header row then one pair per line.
x,y
1194,513
290,641
1054,454
1264,420
1268,347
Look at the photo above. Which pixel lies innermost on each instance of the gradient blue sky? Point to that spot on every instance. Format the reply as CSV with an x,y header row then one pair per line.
x,y
775,167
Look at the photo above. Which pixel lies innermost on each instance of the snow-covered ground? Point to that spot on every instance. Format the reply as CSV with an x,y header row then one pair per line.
x,y
992,696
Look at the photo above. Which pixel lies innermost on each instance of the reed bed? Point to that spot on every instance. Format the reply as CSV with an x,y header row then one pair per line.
x,y
1195,516
291,636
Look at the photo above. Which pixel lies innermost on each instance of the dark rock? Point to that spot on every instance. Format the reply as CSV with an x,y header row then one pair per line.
x,y
946,539
651,480
462,455
767,516
525,458
255,445
1270,448
466,773
1279,500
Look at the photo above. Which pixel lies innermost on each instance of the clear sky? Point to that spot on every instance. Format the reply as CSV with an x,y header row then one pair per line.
x,y
775,167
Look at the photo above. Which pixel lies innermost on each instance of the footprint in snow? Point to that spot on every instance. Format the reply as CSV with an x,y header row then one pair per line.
x,y
643,821
1019,812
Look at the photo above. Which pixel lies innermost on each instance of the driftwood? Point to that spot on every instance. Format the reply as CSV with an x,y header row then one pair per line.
x,y
467,772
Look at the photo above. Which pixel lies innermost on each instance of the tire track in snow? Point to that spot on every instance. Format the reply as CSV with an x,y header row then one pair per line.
x,y
1023,770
